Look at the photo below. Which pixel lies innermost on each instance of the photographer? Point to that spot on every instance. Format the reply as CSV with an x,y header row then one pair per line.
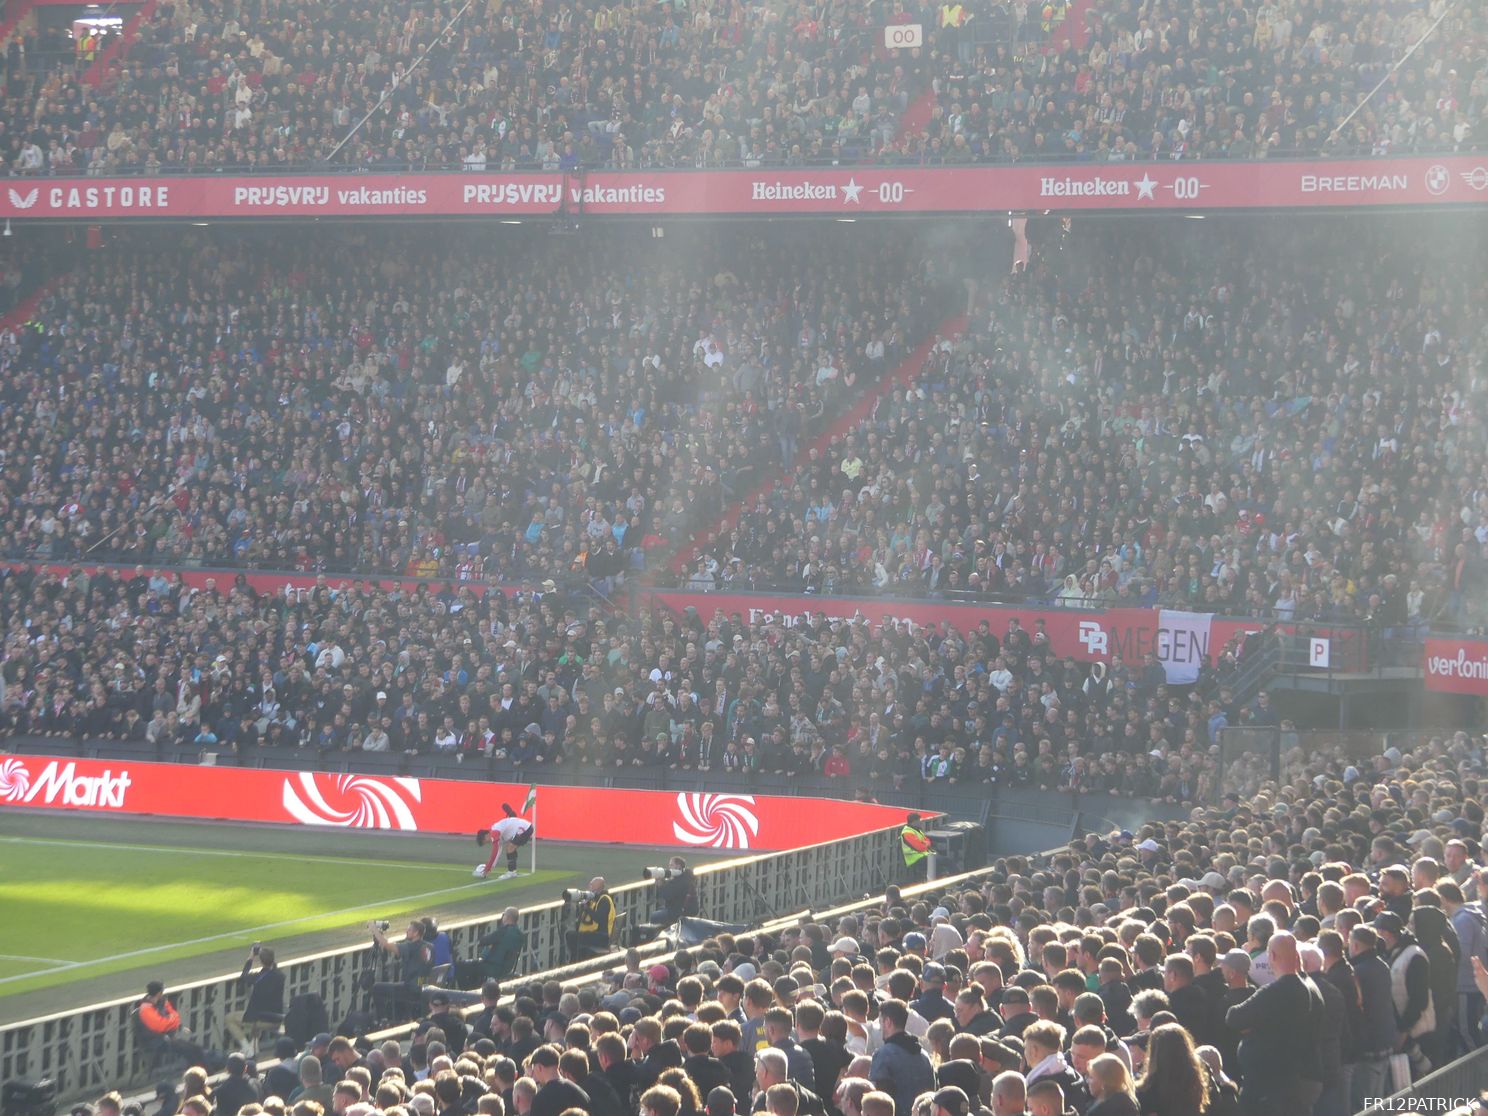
x,y
677,893
265,1008
158,1015
415,964
595,922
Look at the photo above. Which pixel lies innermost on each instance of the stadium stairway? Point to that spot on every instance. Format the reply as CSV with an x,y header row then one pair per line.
x,y
116,50
18,18
1074,29
21,313
907,371
917,115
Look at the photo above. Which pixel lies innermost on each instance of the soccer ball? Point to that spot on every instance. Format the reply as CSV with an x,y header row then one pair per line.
x,y
480,872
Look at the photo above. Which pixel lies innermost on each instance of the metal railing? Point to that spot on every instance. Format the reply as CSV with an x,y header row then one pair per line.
x,y
92,1049
1456,1083
1353,649
592,969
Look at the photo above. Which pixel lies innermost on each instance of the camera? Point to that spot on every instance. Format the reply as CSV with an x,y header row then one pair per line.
x,y
659,874
380,924
578,895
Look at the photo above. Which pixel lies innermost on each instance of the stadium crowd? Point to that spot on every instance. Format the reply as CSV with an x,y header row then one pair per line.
x,y
543,682
1303,951
466,407
1201,420
1195,437
1283,446
256,84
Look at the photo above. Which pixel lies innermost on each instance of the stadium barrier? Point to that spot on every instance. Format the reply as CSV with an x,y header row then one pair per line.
x,y
92,1049
661,950
1456,1083
1018,819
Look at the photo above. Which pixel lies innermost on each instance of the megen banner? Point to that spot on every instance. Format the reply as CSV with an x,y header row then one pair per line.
x,y
1180,640
389,802
838,192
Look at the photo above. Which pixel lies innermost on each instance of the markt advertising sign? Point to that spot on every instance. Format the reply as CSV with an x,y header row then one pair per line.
x,y
392,802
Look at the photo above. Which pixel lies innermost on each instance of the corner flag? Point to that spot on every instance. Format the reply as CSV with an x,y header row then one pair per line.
x,y
530,803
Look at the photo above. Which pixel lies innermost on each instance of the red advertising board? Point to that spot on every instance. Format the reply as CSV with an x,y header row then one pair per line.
x,y
585,814
1456,666
1086,635
837,192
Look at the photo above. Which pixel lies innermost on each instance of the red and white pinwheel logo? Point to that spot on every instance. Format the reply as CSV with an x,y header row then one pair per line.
x,y
15,780
717,821
352,801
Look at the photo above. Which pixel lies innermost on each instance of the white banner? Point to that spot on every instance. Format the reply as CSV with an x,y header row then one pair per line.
x,y
899,36
1182,644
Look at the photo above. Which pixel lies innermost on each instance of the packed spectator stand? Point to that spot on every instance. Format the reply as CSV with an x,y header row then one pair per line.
x,y
501,407
254,86
1306,949
517,433
1270,440
1196,419
1203,419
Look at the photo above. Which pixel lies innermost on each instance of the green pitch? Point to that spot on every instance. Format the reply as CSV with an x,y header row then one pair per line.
x,y
97,906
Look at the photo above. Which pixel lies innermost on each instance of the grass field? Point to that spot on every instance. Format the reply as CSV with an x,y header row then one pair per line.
x,y
94,907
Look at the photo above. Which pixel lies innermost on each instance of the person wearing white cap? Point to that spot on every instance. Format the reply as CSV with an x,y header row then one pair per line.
x,y
845,947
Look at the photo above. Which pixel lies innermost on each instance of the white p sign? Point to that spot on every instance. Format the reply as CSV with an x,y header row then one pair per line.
x,y
899,36
1319,652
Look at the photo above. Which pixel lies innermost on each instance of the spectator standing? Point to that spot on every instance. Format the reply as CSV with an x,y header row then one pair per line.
x,y
1333,1100
1410,988
1111,1086
900,1067
1438,938
1471,926
236,1089
555,1094
1280,1025
1379,1033
1174,1082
